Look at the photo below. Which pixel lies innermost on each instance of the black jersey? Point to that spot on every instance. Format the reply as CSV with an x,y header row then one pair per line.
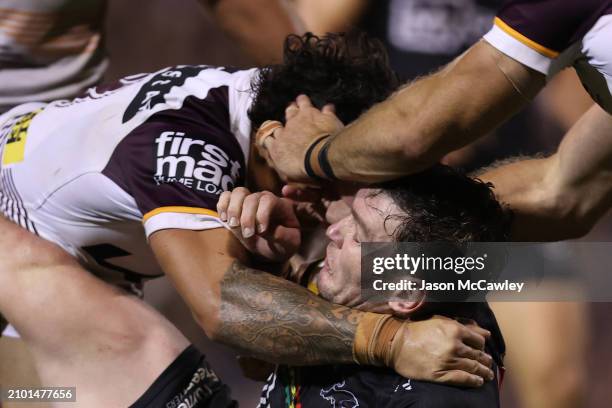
x,y
351,386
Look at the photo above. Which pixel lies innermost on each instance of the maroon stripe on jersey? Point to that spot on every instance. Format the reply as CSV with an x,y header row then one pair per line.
x,y
184,157
553,24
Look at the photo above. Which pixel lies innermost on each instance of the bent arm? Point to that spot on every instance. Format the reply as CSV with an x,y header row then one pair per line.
x,y
275,320
435,115
259,26
254,312
564,195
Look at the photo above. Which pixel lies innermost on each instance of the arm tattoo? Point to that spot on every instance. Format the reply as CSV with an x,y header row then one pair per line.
x,y
275,320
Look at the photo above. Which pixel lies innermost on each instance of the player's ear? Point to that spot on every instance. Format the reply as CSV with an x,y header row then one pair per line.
x,y
407,303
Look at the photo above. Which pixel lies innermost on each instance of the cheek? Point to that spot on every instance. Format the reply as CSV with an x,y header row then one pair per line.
x,y
351,263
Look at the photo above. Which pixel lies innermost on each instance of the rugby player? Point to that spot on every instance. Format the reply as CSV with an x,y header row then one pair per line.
x,y
157,149
436,205
439,113
447,110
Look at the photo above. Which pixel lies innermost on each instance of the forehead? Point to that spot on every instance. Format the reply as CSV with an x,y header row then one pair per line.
x,y
376,213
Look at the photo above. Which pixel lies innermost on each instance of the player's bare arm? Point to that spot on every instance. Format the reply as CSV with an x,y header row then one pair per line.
x,y
268,317
417,125
259,26
320,16
564,195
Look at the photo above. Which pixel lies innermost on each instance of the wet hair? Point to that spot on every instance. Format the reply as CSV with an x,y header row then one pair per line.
x,y
443,205
351,71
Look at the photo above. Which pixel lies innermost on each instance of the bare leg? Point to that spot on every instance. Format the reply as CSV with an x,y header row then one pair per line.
x,y
17,368
81,332
546,351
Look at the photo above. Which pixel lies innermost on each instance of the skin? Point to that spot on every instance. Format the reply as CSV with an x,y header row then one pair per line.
x,y
242,307
111,359
339,282
206,278
321,16
365,217
548,352
543,213
228,299
564,195
415,127
258,26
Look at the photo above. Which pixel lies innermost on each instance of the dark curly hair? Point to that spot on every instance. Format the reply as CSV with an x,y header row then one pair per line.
x,y
349,70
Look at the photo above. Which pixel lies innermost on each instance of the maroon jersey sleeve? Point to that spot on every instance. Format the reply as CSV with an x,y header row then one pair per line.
x,y
550,26
534,32
176,164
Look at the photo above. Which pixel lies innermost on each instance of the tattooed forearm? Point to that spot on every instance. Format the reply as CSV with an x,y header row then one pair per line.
x,y
270,318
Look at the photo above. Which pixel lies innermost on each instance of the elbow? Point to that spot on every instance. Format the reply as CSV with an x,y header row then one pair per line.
x,y
552,215
209,322
209,317
209,325
572,212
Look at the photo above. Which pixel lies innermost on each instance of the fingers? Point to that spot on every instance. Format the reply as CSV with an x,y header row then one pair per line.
x,y
472,325
329,108
257,209
474,367
222,205
264,137
303,102
264,211
250,212
301,193
472,338
476,355
234,209
291,111
247,218
461,379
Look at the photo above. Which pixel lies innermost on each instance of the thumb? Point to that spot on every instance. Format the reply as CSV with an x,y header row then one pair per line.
x,y
329,108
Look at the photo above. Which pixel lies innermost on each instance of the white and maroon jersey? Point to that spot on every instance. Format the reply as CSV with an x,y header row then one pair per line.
x,y
100,173
49,49
550,35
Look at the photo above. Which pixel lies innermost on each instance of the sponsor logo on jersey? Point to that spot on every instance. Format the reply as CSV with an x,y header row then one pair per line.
x,y
202,386
14,150
196,164
154,91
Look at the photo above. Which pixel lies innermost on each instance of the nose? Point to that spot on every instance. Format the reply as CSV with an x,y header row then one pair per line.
x,y
334,233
